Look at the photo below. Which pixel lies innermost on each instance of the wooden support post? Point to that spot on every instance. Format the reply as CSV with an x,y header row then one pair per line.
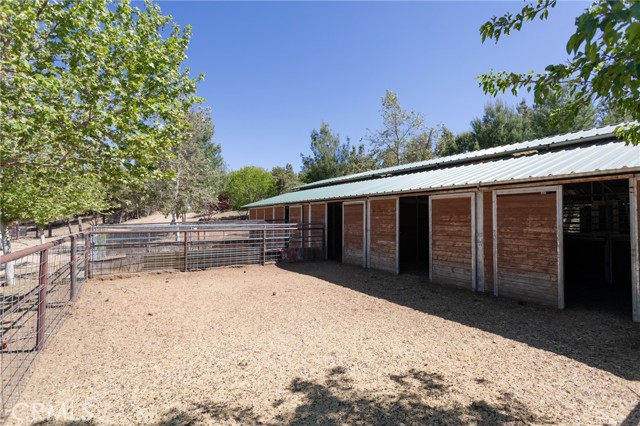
x,y
42,300
87,257
72,269
186,252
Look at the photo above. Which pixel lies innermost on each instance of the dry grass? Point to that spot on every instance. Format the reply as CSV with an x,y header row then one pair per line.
x,y
323,343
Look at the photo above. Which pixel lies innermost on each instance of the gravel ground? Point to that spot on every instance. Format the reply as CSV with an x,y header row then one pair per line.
x,y
324,343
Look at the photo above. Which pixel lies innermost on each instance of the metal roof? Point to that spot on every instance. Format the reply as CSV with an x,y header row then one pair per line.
x,y
583,136
567,162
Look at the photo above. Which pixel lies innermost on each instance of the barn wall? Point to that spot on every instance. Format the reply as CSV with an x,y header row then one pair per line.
x,y
318,215
253,214
487,227
259,214
383,220
353,246
278,214
268,214
452,247
295,214
527,247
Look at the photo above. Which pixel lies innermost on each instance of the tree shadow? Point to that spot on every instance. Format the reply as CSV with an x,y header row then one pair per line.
x,y
600,339
412,398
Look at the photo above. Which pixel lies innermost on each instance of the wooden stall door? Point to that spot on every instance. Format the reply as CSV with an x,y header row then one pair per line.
x,y
268,214
452,248
526,247
253,214
260,214
353,246
383,244
295,214
317,215
278,214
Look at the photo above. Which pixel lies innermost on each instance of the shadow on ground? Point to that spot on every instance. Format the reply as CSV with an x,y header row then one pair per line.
x,y
411,399
599,339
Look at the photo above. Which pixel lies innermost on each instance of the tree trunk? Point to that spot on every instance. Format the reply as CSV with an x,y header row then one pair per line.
x,y
184,218
5,242
50,229
79,223
69,226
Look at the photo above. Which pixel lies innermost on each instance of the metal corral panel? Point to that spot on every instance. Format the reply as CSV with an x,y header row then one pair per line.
x,y
573,161
383,221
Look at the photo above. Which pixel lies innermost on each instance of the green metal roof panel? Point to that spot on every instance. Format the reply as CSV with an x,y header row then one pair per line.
x,y
571,161
549,142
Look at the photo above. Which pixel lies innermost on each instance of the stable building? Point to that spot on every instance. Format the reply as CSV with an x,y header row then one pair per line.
x,y
552,221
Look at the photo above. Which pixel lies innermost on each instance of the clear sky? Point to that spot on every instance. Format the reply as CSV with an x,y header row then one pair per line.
x,y
275,70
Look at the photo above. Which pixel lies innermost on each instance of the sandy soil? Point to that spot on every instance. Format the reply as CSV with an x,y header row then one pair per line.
x,y
323,343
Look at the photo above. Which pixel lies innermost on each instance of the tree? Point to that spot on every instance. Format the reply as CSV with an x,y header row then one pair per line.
x,y
249,184
604,63
358,159
197,169
541,117
328,157
91,88
499,125
404,136
285,179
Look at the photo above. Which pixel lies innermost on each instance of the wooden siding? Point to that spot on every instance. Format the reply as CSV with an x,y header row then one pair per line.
x,y
260,214
318,215
253,214
353,250
527,247
452,242
634,258
278,214
295,214
268,214
383,248
487,229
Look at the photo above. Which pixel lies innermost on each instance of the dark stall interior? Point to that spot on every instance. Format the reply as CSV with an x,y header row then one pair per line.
x,y
334,231
597,253
414,235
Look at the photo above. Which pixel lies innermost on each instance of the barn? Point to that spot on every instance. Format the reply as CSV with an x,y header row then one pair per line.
x,y
552,221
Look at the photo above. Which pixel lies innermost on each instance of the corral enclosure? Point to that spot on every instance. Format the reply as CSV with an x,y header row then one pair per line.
x,y
47,278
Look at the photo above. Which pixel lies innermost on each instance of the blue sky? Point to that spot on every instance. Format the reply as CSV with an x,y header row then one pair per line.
x,y
275,70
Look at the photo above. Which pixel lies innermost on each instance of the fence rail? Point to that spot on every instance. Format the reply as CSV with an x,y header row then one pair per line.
x,y
39,284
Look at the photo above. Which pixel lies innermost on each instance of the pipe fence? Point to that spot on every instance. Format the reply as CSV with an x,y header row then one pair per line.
x,y
37,287
39,284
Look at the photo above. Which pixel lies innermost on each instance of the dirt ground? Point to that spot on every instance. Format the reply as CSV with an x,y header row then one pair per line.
x,y
323,343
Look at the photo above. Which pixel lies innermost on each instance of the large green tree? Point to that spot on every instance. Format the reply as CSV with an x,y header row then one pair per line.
x,y
285,179
328,157
249,184
603,65
404,137
500,124
197,169
92,89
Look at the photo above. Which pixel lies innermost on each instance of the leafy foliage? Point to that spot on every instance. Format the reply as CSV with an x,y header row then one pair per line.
x,y
404,137
249,184
499,125
604,63
197,169
285,179
93,94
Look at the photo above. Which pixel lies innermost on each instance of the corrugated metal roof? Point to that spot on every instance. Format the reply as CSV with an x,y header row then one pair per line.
x,y
549,142
571,161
